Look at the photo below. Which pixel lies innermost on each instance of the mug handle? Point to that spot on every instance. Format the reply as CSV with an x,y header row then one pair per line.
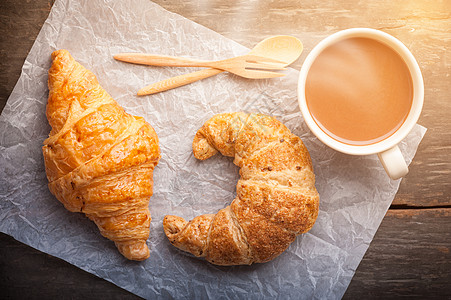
x,y
393,162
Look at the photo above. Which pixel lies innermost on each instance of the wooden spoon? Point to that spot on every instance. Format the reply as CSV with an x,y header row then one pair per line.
x,y
282,48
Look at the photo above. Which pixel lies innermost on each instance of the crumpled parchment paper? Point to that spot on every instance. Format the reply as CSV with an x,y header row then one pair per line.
x,y
355,191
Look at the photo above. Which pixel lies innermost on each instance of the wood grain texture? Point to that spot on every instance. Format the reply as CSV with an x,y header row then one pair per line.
x,y
26,273
20,23
410,254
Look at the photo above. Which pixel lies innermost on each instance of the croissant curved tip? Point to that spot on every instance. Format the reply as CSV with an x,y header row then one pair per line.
x,y
173,225
202,148
137,250
60,52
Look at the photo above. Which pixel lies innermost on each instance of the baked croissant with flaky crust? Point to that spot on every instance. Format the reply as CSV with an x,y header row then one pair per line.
x,y
276,196
99,159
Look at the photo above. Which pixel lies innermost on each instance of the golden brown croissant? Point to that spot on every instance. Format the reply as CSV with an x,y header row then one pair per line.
x,y
99,160
276,196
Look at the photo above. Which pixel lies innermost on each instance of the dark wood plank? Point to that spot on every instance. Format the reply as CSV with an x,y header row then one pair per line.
x,y
26,273
20,23
409,256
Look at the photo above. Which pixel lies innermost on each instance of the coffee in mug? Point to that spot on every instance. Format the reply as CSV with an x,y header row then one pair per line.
x,y
361,91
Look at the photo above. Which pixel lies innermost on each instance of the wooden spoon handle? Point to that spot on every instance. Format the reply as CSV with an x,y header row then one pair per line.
x,y
160,60
177,81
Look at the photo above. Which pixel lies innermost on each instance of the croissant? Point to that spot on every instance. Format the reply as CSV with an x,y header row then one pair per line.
x,y
276,195
99,160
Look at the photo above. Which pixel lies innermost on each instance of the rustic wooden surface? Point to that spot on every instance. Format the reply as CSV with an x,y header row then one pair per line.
x,y
410,254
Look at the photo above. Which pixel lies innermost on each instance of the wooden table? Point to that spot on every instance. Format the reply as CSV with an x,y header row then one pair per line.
x,y
411,252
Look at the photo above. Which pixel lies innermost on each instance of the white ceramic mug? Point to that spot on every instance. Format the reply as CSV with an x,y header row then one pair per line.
x,y
387,149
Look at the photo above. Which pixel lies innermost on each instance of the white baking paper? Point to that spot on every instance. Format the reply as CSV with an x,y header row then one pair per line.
x,y
355,191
